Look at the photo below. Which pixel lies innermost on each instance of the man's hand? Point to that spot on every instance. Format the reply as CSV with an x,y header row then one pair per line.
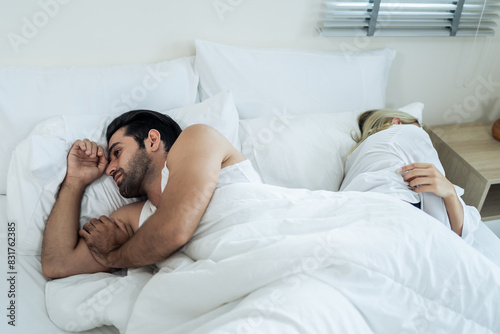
x,y
104,236
86,162
424,177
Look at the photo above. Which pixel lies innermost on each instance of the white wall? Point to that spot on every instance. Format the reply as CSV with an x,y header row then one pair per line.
x,y
441,72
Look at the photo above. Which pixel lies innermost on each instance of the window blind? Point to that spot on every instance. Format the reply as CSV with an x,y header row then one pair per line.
x,y
409,18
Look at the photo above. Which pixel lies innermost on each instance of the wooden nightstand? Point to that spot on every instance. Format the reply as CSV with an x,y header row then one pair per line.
x,y
471,160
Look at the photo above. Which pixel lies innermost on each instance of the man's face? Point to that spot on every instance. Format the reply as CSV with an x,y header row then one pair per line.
x,y
128,164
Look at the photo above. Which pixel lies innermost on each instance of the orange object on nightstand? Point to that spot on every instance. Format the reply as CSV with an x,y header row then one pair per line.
x,y
495,130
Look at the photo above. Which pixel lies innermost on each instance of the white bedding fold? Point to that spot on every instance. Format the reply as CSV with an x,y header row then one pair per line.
x,y
270,259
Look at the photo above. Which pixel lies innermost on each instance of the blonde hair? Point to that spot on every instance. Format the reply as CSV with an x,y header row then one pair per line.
x,y
373,121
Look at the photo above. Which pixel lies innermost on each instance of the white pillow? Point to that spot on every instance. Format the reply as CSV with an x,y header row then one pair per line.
x,y
38,166
29,95
303,151
218,111
266,81
415,109
299,151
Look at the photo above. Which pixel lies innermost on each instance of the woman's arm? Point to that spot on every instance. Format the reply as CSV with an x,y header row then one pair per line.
x,y
425,177
194,164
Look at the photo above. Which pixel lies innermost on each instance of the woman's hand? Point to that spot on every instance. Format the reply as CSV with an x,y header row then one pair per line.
x,y
424,177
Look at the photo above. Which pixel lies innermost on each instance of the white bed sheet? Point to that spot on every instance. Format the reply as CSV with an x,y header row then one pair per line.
x,y
31,315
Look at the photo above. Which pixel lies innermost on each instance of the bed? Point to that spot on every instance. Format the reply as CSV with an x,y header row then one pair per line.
x,y
293,255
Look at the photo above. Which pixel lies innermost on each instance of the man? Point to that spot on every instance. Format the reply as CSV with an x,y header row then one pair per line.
x,y
140,145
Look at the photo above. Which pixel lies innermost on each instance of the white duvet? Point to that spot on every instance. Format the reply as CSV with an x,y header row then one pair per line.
x,y
274,260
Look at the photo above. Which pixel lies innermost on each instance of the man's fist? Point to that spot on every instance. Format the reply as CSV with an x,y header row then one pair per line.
x,y
86,162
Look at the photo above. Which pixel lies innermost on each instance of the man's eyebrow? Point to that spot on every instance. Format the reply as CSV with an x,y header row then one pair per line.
x,y
112,146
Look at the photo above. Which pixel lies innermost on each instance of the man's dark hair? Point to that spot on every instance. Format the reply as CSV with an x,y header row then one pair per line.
x,y
138,123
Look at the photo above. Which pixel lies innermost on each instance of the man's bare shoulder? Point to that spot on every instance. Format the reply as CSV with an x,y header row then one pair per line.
x,y
200,141
200,131
129,214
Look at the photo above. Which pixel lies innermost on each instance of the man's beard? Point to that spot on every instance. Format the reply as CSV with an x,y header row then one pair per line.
x,y
132,181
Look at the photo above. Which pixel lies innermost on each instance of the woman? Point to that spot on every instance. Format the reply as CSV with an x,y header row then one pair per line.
x,y
395,156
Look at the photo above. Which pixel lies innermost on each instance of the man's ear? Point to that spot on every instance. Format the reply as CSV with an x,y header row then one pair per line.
x,y
153,142
396,120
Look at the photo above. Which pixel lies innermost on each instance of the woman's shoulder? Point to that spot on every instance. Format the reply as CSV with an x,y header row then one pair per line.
x,y
408,131
411,138
401,135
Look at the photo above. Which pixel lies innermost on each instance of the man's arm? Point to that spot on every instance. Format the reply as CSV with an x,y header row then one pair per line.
x,y
62,253
194,163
